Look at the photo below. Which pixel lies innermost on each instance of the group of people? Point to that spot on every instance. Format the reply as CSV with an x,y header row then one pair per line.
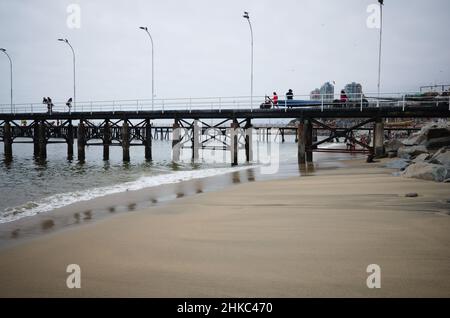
x,y
48,101
274,100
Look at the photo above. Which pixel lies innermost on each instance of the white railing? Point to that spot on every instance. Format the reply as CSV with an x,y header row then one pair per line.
x,y
237,103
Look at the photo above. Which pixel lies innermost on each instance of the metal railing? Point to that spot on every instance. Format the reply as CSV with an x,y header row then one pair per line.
x,y
236,102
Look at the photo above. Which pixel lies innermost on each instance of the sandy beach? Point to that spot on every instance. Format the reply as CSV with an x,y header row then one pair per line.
x,y
310,236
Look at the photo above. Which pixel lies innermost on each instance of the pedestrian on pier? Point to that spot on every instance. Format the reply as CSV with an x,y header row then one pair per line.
x,y
275,100
290,94
49,105
69,104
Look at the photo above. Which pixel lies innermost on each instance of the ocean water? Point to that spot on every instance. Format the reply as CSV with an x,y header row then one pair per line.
x,y
28,187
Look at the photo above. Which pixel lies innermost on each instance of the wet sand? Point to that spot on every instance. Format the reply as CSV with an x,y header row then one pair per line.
x,y
300,237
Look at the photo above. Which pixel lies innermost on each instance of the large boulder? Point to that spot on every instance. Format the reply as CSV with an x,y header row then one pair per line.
x,y
433,135
427,171
442,156
392,145
411,152
422,158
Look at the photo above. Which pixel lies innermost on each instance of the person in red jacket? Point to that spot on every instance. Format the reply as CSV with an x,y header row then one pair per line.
x,y
344,97
275,100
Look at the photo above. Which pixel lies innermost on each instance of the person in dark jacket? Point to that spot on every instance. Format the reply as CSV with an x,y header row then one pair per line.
x,y
290,94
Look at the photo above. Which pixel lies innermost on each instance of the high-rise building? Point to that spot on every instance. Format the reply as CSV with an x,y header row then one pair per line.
x,y
315,94
327,90
353,90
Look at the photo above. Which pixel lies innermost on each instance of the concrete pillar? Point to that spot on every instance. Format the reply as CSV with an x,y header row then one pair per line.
x,y
234,142
70,140
36,139
195,140
308,139
42,141
81,141
176,146
301,153
7,141
126,141
148,139
248,140
106,139
282,135
378,140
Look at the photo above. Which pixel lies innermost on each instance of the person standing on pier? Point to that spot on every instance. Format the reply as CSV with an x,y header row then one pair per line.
x,y
69,104
290,94
275,100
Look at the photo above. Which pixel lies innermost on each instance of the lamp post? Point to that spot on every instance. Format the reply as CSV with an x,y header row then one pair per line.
x,y
11,76
381,2
74,81
153,65
246,16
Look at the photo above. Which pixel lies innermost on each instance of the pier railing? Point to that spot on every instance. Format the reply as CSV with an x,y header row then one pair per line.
x,y
322,101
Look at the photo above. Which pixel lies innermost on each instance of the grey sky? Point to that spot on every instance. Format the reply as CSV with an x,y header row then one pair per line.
x,y
202,48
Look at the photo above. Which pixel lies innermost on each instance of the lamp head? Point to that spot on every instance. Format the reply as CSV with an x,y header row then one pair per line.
x,y
143,28
3,50
381,2
63,40
246,15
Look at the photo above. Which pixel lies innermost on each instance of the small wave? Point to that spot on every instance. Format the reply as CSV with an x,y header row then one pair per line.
x,y
63,199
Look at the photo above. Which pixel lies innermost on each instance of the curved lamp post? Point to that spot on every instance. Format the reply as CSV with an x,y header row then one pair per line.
x,y
246,16
74,81
153,65
11,76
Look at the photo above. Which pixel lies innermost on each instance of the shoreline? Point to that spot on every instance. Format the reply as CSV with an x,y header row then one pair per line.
x,y
307,236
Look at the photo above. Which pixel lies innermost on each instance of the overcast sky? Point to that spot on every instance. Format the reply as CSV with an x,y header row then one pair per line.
x,y
202,47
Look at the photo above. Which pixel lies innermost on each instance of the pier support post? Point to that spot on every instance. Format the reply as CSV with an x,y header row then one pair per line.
x,y
70,140
81,141
125,141
176,146
301,142
378,140
148,140
106,139
36,139
234,142
282,135
42,141
248,140
7,141
308,139
195,140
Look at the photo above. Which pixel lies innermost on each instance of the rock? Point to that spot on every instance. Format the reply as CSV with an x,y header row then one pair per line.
x,y
438,131
392,154
411,195
411,152
442,156
436,143
447,181
427,171
392,145
398,164
422,158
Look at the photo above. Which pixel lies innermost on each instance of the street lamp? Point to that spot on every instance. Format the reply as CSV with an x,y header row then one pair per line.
x,y
153,65
246,16
11,76
74,85
381,2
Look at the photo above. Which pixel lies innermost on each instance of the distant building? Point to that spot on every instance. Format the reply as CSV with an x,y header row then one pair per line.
x,y
315,94
353,90
327,90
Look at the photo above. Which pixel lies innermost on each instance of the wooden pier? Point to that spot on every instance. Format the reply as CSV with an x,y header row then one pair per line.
x,y
233,130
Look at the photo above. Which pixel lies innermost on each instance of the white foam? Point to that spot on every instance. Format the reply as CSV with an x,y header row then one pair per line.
x,y
63,199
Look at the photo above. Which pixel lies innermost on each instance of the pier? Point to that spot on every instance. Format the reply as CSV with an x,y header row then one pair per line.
x,y
193,128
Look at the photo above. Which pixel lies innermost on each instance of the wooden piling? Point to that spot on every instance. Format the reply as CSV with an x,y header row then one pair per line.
x,y
7,141
234,142
176,146
42,141
378,140
69,139
36,139
308,139
301,153
81,141
126,141
106,139
248,140
195,140
148,139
